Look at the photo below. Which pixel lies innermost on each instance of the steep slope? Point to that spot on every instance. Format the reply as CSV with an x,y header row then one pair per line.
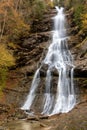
x,y
29,53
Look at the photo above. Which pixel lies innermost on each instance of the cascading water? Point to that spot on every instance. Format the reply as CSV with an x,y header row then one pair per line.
x,y
60,58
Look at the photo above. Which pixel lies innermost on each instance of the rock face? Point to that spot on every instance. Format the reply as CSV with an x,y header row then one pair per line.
x,y
78,46
30,53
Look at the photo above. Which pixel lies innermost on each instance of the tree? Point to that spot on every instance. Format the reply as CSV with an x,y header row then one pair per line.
x,y
11,20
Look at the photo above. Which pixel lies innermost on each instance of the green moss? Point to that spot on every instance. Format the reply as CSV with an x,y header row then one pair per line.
x,y
3,76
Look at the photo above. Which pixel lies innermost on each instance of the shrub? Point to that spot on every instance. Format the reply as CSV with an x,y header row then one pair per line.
x,y
3,75
38,9
84,21
77,14
6,60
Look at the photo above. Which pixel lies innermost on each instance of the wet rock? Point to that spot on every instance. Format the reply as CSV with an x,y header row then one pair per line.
x,y
79,72
3,128
44,69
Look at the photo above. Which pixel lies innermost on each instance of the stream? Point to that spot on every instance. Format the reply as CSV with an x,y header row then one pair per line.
x,y
24,125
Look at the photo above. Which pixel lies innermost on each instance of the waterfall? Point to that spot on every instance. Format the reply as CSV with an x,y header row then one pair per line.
x,y
48,99
32,94
60,58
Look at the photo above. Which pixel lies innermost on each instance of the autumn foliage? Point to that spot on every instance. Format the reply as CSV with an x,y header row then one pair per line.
x,y
15,20
84,21
11,20
6,60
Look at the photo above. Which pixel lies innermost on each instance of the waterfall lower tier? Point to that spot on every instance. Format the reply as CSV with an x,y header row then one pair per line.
x,y
59,58
65,98
32,94
47,96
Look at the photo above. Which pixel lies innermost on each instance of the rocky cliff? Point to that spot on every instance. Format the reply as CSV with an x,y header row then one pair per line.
x,y
30,52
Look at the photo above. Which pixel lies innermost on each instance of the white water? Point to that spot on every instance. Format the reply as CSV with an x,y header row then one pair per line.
x,y
48,98
60,58
32,93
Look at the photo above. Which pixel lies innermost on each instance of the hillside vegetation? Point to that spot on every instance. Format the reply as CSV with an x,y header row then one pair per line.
x,y
16,19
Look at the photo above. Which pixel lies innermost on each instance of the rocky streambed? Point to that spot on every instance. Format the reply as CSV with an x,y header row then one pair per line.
x,y
74,120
